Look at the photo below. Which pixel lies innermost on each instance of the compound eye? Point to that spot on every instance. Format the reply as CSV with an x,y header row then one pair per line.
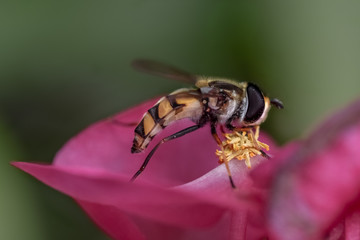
x,y
256,103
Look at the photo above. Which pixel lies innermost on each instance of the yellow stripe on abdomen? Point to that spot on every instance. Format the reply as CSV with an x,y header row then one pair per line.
x,y
149,123
164,108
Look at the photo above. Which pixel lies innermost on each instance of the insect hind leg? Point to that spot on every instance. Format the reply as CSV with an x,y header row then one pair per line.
x,y
166,139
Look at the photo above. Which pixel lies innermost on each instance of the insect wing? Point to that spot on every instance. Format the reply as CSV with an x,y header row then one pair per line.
x,y
163,70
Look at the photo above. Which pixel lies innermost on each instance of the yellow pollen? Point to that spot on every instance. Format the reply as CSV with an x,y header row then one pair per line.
x,y
241,144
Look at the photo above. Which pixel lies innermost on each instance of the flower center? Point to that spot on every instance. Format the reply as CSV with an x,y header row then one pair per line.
x,y
241,144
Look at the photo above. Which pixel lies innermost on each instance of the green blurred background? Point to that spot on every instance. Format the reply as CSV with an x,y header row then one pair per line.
x,y
65,64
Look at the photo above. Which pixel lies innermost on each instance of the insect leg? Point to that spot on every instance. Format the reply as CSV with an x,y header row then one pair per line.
x,y
218,141
257,133
254,136
171,137
222,129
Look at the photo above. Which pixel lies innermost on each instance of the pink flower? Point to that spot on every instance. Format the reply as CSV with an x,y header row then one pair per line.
x,y
308,190
314,185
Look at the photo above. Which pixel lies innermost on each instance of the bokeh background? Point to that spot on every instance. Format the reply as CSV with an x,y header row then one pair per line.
x,y
66,64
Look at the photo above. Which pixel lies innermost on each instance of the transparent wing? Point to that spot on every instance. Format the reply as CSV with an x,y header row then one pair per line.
x,y
163,70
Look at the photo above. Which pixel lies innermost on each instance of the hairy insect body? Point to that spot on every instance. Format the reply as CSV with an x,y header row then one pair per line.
x,y
218,101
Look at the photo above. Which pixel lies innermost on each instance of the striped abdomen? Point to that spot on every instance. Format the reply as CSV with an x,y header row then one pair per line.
x,y
183,103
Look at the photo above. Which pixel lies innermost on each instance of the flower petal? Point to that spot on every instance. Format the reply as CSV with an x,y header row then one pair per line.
x,y
95,166
320,181
167,205
352,226
108,197
106,145
116,224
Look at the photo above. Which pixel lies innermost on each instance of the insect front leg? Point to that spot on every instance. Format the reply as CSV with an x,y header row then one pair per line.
x,y
218,141
171,137
255,136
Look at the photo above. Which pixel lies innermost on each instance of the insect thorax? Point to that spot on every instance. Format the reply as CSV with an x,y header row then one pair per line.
x,y
224,104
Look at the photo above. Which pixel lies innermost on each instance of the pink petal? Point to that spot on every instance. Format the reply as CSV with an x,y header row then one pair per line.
x,y
165,205
106,145
319,182
95,166
107,218
352,226
182,206
110,220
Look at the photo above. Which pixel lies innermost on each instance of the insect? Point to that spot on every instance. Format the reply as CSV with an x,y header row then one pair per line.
x,y
213,101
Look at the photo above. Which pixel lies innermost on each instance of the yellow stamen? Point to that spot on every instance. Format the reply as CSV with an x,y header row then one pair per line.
x,y
241,144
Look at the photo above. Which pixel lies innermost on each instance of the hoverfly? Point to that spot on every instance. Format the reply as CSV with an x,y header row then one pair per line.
x,y
216,101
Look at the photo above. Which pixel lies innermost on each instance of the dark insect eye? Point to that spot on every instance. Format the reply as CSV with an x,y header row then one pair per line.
x,y
256,103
